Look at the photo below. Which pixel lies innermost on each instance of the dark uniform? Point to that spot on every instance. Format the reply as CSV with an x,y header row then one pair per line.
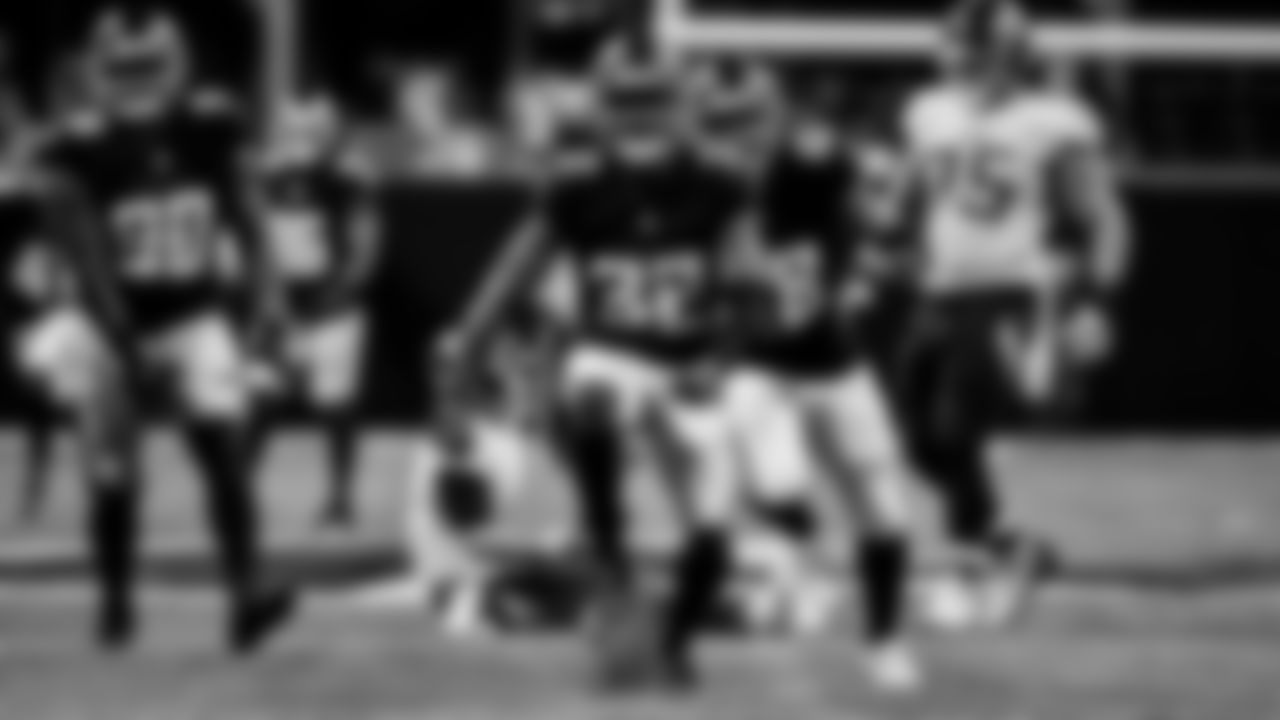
x,y
811,239
166,192
310,207
645,242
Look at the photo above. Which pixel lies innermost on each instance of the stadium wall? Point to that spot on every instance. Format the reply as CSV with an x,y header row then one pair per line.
x,y
1198,350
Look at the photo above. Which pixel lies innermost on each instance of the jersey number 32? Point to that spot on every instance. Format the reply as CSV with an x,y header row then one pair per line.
x,y
648,294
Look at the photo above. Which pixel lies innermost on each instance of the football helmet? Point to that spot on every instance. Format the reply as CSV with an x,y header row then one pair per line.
x,y
990,41
637,99
739,109
139,62
306,131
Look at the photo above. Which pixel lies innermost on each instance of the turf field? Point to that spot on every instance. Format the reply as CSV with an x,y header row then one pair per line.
x,y
1169,609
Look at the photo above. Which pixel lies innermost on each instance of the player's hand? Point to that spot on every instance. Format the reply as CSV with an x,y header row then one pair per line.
x,y
1087,336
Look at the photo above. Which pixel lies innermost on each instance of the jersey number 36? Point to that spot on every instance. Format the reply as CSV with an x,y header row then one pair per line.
x,y
167,236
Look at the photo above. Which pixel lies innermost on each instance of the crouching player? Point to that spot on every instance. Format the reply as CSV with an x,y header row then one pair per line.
x,y
637,224
148,190
322,231
805,400
1023,241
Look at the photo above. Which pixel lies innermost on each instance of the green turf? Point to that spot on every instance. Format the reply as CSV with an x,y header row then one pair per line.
x,y
1170,610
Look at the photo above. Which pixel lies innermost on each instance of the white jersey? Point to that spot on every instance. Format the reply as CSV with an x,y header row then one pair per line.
x,y
987,167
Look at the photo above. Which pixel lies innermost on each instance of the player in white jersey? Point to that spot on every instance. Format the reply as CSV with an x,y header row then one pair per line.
x,y
1021,240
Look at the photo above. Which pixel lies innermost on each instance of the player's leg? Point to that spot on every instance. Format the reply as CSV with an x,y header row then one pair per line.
x,y
73,362
958,390
696,454
784,590
213,392
857,438
333,350
596,412
40,427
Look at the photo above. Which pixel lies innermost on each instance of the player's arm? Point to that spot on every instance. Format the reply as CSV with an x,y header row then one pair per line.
x,y
82,244
880,213
524,258
362,235
1095,215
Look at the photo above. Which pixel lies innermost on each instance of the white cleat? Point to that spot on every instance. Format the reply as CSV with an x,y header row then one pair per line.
x,y
462,611
953,604
894,669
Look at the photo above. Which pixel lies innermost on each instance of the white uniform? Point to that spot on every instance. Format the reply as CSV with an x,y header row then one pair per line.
x,y
989,168
989,225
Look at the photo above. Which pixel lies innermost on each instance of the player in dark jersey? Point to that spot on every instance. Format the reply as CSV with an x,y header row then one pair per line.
x,y
636,225
804,397
31,282
151,182
322,231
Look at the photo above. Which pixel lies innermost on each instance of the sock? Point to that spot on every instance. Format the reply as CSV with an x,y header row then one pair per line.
x,y
700,573
883,568
794,519
42,437
219,449
113,531
594,456
340,436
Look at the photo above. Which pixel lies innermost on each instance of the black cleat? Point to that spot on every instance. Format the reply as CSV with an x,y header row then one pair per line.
x,y
256,622
337,516
117,629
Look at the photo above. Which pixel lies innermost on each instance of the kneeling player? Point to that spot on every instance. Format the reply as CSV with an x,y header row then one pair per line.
x,y
806,402
322,232
149,185
636,224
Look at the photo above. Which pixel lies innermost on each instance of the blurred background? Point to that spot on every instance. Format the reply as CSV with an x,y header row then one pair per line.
x,y
452,102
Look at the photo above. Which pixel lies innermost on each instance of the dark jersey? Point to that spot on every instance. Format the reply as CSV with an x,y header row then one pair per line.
x,y
645,242
309,209
28,273
165,193
809,236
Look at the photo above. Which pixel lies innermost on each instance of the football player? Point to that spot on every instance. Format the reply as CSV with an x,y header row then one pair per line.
x,y
632,226
321,227
805,399
32,280
1022,242
151,184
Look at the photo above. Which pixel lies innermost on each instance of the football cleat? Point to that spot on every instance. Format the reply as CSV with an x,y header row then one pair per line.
x,y
894,669
950,603
260,620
